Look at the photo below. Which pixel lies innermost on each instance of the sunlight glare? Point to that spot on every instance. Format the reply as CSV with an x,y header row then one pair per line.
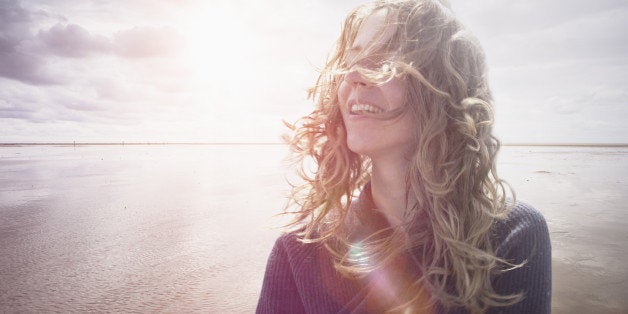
x,y
217,52
215,44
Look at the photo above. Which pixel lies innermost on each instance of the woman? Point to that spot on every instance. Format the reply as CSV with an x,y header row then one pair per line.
x,y
405,211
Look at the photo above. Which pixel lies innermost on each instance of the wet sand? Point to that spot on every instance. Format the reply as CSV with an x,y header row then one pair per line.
x,y
189,228
583,193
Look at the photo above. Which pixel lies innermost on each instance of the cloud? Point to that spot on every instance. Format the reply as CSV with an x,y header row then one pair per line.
x,y
19,101
31,58
145,42
26,67
16,60
523,16
592,37
556,67
73,41
13,111
14,20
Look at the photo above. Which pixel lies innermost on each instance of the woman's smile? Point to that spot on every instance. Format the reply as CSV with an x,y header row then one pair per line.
x,y
360,109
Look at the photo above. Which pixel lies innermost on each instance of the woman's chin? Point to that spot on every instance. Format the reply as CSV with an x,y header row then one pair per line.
x,y
359,146
364,148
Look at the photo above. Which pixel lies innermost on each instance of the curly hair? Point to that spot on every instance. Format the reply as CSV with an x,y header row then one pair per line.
x,y
452,174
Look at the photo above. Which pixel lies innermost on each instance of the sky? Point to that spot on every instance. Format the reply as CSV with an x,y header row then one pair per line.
x,y
231,70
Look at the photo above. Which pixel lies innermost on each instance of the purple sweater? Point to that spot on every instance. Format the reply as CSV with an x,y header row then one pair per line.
x,y
300,278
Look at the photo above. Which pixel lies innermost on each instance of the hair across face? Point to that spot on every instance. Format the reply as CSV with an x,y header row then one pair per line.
x,y
371,97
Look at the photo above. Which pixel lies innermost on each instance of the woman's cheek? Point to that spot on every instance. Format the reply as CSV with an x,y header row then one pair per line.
x,y
343,93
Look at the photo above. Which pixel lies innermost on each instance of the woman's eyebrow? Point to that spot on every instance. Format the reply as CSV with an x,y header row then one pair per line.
x,y
356,48
353,51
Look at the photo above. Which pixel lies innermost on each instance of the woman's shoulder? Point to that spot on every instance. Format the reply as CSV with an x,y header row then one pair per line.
x,y
307,268
523,214
522,239
289,242
524,227
295,250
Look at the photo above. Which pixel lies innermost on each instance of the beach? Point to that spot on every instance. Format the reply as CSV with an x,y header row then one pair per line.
x,y
188,228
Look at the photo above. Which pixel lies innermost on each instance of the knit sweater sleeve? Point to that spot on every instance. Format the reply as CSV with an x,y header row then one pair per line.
x,y
279,293
524,238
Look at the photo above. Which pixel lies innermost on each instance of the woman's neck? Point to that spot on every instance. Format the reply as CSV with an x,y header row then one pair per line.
x,y
389,188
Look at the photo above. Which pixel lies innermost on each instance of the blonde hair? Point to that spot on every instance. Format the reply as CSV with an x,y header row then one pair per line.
x,y
452,174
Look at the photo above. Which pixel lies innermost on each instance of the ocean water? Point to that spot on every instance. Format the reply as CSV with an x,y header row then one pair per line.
x,y
188,228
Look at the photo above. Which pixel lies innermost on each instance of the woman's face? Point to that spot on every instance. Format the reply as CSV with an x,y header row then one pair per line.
x,y
361,101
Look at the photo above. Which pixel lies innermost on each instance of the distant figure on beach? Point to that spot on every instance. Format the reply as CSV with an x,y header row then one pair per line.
x,y
405,211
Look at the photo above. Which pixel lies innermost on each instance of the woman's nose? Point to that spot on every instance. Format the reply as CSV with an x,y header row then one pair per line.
x,y
354,77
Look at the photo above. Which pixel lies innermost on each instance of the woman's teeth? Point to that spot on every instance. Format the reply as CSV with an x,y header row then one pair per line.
x,y
364,108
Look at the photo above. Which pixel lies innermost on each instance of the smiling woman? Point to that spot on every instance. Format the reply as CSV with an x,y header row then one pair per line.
x,y
405,211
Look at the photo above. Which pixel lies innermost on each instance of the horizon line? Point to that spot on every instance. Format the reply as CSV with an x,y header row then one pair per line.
x,y
274,143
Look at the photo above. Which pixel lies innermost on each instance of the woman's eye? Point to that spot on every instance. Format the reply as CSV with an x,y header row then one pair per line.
x,y
344,64
386,67
376,65
370,64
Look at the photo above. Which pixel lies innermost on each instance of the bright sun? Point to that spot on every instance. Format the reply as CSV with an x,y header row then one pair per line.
x,y
215,43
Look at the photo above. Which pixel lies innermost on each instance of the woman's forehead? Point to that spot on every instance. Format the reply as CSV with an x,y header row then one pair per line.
x,y
374,30
374,33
